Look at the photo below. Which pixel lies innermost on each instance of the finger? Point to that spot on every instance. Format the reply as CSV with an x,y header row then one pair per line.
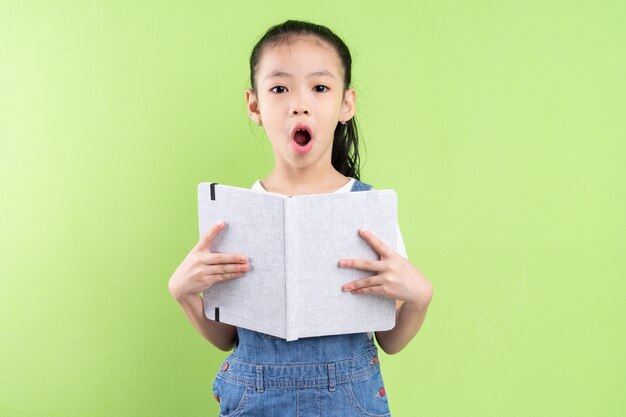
x,y
365,264
207,238
374,280
222,258
225,269
224,277
378,289
379,246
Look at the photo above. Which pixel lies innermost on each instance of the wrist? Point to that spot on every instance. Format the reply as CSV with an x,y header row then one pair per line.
x,y
413,306
421,300
416,305
186,299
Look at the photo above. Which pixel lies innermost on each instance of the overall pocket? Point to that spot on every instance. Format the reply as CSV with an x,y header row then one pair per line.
x,y
368,395
231,396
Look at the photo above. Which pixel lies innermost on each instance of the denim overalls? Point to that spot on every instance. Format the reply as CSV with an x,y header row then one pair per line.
x,y
335,375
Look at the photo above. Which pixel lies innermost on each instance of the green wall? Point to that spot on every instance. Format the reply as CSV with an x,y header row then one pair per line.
x,y
497,122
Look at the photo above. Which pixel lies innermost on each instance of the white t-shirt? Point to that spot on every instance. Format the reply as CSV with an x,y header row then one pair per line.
x,y
346,189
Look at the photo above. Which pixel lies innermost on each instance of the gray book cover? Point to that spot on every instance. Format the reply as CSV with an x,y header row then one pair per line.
x,y
294,244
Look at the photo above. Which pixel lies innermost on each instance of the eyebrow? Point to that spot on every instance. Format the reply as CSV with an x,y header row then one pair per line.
x,y
277,73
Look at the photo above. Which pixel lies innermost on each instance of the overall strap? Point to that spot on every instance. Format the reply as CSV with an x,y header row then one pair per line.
x,y
360,186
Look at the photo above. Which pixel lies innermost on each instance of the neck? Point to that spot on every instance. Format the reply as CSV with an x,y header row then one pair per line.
x,y
296,181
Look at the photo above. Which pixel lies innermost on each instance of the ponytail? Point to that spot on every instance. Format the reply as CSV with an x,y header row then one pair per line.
x,y
346,137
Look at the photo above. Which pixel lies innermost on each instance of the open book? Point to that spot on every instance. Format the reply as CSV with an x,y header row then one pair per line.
x,y
293,287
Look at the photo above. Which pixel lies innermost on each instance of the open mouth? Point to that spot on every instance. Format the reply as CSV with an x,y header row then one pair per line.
x,y
302,137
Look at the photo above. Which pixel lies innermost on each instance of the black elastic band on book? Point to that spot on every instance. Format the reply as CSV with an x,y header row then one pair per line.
x,y
213,190
217,314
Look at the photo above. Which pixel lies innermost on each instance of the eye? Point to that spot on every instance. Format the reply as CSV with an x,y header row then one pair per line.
x,y
323,87
278,86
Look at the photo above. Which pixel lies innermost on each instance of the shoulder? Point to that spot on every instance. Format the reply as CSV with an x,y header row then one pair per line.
x,y
361,186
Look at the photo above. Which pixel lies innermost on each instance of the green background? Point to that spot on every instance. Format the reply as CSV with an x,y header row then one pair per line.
x,y
497,122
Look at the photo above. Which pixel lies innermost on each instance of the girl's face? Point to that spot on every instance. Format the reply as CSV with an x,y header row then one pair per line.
x,y
300,85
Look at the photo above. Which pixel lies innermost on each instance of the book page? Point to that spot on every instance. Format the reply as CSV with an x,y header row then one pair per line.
x,y
320,230
254,228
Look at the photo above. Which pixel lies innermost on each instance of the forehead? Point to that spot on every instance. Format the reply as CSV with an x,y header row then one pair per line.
x,y
299,55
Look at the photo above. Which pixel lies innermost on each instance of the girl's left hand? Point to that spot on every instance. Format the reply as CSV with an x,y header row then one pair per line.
x,y
397,277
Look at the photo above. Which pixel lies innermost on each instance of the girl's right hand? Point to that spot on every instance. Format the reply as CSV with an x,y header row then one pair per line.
x,y
202,268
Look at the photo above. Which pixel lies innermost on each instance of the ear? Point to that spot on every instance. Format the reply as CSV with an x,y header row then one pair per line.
x,y
348,107
254,112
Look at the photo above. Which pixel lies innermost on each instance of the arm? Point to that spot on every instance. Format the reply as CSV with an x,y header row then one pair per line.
x,y
409,319
222,335
200,270
396,278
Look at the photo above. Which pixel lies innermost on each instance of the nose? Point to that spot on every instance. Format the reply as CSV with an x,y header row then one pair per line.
x,y
296,112
299,106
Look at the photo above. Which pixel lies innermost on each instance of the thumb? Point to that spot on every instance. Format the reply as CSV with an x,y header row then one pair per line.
x,y
207,238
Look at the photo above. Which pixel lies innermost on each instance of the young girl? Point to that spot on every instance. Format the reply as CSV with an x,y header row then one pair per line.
x,y
300,93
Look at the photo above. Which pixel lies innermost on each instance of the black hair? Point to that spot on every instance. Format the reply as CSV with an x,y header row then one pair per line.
x,y
345,136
